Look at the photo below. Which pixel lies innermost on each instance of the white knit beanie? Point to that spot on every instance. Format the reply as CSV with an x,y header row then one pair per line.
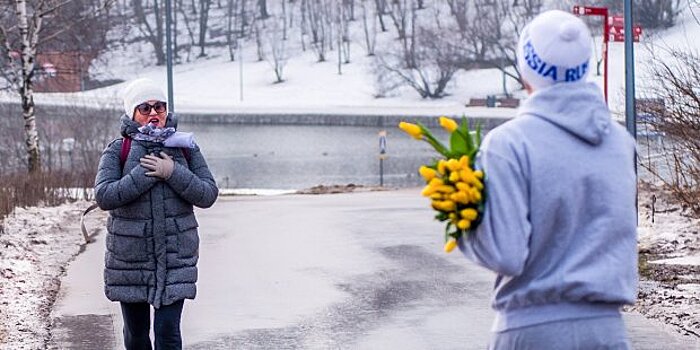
x,y
554,48
140,91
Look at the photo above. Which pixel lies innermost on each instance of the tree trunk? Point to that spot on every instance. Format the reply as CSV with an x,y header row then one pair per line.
x,y
203,18
381,6
160,34
263,9
229,30
28,42
176,6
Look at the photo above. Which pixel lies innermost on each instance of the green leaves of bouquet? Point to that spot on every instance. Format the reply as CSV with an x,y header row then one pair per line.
x,y
455,189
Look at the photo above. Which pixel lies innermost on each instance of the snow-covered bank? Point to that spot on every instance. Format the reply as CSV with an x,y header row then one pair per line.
x,y
669,265
36,244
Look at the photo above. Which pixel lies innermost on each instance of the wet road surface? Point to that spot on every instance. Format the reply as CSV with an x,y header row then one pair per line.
x,y
347,271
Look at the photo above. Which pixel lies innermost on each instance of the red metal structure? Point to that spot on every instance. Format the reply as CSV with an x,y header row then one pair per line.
x,y
613,30
603,12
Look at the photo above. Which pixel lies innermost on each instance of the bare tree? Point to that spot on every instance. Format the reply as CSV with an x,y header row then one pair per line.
x,y
675,114
24,30
278,56
500,23
316,11
231,42
262,5
650,14
343,25
658,13
380,6
258,28
427,57
400,12
153,34
303,25
369,25
203,19
187,21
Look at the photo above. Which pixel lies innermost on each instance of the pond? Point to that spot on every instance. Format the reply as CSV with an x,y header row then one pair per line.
x,y
296,157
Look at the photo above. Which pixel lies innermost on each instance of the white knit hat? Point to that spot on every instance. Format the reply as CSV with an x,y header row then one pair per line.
x,y
140,91
554,48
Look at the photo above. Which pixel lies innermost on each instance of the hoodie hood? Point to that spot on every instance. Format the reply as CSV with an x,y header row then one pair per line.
x,y
577,108
129,127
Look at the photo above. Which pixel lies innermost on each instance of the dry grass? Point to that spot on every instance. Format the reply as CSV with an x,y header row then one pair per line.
x,y
46,188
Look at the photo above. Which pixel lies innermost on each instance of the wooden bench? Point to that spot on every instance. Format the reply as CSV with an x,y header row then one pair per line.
x,y
477,102
508,102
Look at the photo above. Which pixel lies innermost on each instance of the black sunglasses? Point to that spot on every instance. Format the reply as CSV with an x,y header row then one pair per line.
x,y
145,108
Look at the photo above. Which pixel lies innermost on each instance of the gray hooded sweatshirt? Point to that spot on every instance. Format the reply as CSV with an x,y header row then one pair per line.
x,y
152,238
559,225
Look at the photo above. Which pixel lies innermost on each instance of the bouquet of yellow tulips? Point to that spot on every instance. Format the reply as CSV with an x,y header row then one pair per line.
x,y
455,189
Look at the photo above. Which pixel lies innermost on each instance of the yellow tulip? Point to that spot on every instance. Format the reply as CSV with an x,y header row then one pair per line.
x,y
463,224
467,176
436,196
464,197
448,124
445,189
448,205
450,245
436,182
428,191
476,196
454,176
469,214
453,164
479,174
452,216
441,166
412,129
462,186
443,205
427,173
464,162
460,197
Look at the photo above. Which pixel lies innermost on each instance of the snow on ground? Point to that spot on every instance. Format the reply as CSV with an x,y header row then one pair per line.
x,y
212,85
36,244
669,249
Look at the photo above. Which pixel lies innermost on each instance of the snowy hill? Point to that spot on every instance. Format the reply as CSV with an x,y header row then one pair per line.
x,y
213,84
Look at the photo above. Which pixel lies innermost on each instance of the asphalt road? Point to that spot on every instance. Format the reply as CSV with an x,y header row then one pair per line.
x,y
345,271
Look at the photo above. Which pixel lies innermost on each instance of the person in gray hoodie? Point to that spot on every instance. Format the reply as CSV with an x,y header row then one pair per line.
x,y
152,240
559,225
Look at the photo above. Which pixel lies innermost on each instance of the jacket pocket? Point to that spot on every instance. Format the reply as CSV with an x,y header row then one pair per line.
x,y
127,240
187,236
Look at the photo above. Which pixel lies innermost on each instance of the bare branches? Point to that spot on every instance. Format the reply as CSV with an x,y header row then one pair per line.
x,y
673,114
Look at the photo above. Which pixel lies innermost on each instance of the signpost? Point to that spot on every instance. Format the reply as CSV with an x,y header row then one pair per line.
x,y
603,12
613,30
382,156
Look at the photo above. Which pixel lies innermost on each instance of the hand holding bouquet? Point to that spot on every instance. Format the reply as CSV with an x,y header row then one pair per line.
x,y
455,189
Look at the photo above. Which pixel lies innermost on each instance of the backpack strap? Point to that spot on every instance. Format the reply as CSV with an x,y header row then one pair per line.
x,y
186,153
126,147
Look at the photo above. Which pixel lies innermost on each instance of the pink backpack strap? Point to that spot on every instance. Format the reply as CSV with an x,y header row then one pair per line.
x,y
126,147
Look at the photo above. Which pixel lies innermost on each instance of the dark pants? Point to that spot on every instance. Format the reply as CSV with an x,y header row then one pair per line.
x,y
166,326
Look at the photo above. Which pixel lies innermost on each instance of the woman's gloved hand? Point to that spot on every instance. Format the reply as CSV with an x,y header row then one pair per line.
x,y
161,167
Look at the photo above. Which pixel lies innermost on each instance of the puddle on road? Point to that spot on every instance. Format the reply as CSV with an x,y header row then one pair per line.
x,y
418,283
83,332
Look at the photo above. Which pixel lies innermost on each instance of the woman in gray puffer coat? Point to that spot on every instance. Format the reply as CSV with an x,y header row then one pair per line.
x,y
152,241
